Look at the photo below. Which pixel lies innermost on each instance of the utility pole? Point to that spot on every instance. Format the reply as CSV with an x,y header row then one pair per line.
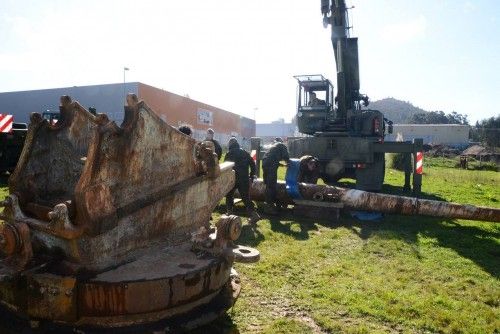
x,y
255,120
125,69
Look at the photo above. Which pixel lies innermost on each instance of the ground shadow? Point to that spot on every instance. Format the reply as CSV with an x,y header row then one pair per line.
x,y
289,225
476,243
250,236
4,179
473,242
222,325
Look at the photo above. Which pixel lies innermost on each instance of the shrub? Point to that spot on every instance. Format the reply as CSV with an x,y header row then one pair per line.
x,y
397,161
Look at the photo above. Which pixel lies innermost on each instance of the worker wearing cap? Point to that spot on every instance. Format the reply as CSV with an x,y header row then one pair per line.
x,y
242,163
218,148
270,163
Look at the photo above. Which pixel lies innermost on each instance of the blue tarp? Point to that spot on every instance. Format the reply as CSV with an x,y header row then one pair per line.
x,y
367,215
292,173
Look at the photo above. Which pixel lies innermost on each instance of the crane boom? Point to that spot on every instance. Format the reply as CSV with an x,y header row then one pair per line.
x,y
346,57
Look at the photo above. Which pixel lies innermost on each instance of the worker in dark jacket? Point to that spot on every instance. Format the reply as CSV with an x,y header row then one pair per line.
x,y
270,163
218,148
242,163
309,169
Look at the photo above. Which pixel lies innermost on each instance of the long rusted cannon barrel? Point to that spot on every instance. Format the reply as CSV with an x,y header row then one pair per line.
x,y
363,200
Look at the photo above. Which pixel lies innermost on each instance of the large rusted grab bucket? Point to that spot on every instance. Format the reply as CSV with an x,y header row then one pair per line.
x,y
363,200
109,226
97,191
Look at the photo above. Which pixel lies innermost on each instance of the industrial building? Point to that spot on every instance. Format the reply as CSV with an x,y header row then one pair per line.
x,y
109,99
269,131
455,135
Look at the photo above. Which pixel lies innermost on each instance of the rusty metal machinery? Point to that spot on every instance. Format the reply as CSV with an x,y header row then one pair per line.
x,y
108,226
329,196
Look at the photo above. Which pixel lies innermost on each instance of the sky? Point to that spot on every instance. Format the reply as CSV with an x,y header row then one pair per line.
x,y
241,55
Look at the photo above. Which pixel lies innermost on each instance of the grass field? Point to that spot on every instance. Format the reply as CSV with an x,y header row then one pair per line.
x,y
399,275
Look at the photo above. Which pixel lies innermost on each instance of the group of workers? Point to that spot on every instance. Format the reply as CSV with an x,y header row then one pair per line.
x,y
245,172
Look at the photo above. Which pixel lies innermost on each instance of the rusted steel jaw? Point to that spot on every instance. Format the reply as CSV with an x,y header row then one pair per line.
x,y
110,225
98,191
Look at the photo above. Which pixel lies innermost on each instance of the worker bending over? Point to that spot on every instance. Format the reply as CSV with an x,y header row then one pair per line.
x,y
270,163
309,169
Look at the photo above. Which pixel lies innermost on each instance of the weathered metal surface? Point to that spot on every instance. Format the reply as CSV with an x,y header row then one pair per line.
x,y
246,254
362,200
182,277
84,185
109,225
51,296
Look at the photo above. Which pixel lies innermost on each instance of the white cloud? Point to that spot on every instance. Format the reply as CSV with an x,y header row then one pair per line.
x,y
405,31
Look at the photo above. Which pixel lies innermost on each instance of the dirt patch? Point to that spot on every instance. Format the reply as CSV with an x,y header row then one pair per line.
x,y
281,307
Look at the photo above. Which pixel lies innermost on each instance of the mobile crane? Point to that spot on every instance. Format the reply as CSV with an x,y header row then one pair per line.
x,y
346,137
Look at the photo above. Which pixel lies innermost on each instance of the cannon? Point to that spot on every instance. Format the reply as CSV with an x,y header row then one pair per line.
x,y
324,196
108,226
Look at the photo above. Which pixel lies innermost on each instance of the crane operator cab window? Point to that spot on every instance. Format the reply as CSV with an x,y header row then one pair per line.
x,y
314,91
316,99
315,103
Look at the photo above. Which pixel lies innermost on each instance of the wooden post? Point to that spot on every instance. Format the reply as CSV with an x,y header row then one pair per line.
x,y
408,168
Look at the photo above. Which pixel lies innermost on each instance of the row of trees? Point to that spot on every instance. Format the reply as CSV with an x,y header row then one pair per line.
x,y
487,131
439,117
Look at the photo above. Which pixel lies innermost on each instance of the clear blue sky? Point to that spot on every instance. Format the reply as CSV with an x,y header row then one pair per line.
x,y
241,55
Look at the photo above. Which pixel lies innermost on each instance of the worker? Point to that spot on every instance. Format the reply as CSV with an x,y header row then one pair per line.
x,y
185,129
309,169
314,101
218,148
270,163
242,163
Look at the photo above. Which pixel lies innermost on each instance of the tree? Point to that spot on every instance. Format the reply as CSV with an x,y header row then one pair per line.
x,y
487,131
430,117
439,117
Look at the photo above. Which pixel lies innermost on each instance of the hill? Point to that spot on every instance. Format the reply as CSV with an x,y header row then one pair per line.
x,y
396,110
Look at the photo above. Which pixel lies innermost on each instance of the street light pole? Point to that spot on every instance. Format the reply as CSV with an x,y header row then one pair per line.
x,y
255,119
124,93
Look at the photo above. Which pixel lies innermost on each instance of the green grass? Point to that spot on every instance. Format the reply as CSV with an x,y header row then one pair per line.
x,y
399,275
4,191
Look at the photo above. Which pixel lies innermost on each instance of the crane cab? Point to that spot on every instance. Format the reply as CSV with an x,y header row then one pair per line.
x,y
315,103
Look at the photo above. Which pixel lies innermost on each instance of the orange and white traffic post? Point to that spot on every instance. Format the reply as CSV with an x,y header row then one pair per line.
x,y
418,161
6,122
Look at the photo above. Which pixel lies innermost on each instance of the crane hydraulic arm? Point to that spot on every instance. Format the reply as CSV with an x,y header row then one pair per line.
x,y
346,58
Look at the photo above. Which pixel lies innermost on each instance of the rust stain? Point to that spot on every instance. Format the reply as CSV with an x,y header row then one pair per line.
x,y
95,198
